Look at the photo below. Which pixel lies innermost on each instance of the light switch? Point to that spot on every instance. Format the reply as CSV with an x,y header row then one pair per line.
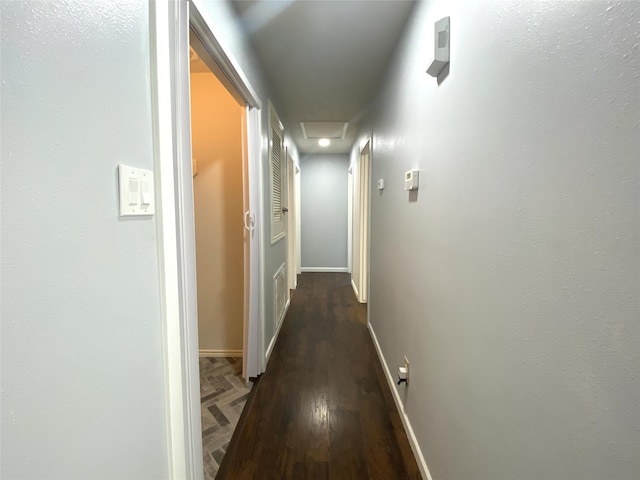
x,y
135,191
145,193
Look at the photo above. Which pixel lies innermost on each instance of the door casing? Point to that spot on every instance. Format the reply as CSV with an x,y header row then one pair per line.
x,y
170,24
360,175
292,236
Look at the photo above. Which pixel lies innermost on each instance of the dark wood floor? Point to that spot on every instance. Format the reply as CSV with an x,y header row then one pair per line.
x,y
323,408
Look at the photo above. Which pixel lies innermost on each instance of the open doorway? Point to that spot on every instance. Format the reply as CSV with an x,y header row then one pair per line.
x,y
223,235
218,194
360,177
233,87
293,179
174,25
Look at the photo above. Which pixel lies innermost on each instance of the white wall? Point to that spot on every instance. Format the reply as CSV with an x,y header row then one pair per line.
x,y
323,203
223,24
82,365
511,280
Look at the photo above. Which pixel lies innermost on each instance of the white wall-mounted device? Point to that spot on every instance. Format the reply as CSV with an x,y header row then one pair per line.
x,y
381,184
411,180
441,47
136,191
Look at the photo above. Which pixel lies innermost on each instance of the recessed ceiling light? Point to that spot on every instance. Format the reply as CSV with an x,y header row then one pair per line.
x,y
324,142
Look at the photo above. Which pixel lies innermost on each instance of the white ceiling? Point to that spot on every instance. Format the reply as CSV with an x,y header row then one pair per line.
x,y
324,59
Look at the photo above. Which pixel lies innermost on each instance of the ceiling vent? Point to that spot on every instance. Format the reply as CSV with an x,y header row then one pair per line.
x,y
324,129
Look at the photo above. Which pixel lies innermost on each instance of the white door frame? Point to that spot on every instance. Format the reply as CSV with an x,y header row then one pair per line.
x,y
365,190
350,219
252,348
360,214
292,267
233,78
170,22
298,252
184,453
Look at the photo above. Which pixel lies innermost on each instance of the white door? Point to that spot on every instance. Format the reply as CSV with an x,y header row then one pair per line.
x,y
291,222
251,350
278,177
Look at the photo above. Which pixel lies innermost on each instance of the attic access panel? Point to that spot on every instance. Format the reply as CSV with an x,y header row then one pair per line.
x,y
324,129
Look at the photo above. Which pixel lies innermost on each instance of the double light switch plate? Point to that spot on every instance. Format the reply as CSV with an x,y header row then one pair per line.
x,y
136,191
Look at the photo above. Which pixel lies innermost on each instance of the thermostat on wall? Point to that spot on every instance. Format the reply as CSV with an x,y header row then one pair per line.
x,y
411,180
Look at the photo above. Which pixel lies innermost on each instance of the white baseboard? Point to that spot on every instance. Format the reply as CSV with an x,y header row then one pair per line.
x,y
220,353
325,269
272,343
422,465
355,289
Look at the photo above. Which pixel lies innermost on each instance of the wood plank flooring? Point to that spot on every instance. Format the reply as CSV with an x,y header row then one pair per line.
x,y
323,409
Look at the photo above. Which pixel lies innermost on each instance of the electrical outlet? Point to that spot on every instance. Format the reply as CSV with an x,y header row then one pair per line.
x,y
406,365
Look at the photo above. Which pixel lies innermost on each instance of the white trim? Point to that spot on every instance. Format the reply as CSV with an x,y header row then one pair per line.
x,y
183,191
298,252
169,38
291,224
370,214
415,447
251,346
324,269
365,215
350,218
262,231
355,290
223,63
168,29
272,343
220,353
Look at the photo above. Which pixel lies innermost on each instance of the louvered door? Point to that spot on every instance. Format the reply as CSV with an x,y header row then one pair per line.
x,y
277,167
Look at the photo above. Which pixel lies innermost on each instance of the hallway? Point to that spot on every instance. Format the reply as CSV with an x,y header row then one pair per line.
x,y
506,270
323,408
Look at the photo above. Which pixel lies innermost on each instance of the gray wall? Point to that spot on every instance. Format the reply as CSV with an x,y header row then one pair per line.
x,y
511,280
82,364
323,197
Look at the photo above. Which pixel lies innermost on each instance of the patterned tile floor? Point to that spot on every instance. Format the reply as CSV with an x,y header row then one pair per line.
x,y
223,394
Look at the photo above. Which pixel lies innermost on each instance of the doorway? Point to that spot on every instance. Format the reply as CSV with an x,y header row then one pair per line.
x,y
293,179
217,131
203,42
360,176
172,24
218,134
